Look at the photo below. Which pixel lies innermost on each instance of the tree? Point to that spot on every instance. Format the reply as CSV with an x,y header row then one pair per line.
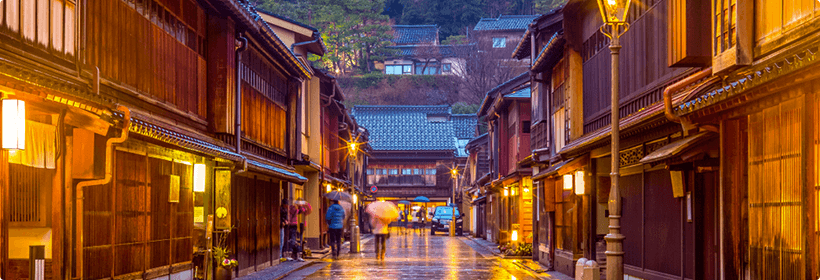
x,y
462,108
484,70
354,31
453,17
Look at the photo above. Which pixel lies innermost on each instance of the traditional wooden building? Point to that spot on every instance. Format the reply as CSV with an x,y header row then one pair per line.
x,y
765,107
413,150
130,159
571,84
475,176
506,109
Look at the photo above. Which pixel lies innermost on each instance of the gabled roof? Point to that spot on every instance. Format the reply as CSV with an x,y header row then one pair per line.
x,y
407,128
423,51
502,22
415,34
245,14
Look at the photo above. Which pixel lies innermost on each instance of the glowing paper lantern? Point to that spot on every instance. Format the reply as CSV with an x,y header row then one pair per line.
x,y
14,124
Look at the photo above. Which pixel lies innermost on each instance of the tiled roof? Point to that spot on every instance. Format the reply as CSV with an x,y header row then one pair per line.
x,y
404,128
464,125
431,51
521,93
511,22
415,34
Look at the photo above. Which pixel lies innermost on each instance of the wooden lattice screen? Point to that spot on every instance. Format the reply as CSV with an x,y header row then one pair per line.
x,y
129,226
776,214
25,196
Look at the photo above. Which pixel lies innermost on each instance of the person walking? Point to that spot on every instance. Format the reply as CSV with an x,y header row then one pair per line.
x,y
284,230
381,231
335,222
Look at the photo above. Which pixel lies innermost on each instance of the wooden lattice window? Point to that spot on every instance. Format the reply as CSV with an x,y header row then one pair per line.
x,y
725,13
776,215
28,189
564,219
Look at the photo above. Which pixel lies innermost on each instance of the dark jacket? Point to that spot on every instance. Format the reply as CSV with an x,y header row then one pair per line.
x,y
335,216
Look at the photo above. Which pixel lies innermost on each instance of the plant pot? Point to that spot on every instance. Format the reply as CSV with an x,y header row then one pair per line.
x,y
222,273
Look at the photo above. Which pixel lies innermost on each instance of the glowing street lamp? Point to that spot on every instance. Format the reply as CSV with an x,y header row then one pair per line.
x,y
613,13
14,124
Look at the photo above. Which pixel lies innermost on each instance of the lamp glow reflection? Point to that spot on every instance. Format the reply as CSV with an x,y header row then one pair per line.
x,y
14,124
514,236
199,177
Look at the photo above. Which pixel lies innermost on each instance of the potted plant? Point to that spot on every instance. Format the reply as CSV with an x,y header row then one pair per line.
x,y
224,264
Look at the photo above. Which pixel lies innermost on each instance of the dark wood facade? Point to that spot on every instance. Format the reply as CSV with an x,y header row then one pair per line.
x,y
136,93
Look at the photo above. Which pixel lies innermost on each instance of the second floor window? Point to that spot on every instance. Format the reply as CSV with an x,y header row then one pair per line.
x,y
725,22
394,172
405,172
430,172
369,171
499,42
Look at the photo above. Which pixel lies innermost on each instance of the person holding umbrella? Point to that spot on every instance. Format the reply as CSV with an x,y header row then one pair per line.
x,y
382,214
335,222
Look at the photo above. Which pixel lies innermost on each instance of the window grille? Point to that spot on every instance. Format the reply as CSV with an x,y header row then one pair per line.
x,y
775,193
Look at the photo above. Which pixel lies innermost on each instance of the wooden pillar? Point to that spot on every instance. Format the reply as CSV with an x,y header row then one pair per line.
x,y
4,216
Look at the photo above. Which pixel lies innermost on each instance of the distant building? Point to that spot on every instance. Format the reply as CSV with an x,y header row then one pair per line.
x,y
500,35
417,52
413,149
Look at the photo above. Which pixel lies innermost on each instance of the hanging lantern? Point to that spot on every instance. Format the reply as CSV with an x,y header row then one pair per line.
x,y
514,236
567,182
199,177
14,124
579,183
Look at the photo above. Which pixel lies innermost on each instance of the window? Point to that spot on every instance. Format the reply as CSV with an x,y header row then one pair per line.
x,y
446,67
416,171
499,42
428,68
45,23
394,172
369,171
725,20
430,172
405,172
400,69
777,235
525,126
384,172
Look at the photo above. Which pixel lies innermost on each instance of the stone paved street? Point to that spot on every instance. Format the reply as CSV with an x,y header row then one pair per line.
x,y
417,256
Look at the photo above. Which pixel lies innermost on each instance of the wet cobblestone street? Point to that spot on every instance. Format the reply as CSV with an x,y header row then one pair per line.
x,y
417,256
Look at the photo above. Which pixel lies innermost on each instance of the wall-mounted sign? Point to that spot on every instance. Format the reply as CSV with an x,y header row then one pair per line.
x,y
374,189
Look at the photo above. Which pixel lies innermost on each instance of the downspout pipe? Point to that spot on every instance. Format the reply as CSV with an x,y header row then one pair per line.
x,y
109,150
667,93
238,102
316,38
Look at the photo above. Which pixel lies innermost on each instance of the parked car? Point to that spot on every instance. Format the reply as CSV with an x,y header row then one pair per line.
x,y
441,220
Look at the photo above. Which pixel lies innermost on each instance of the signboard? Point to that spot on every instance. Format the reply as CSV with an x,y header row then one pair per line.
x,y
373,189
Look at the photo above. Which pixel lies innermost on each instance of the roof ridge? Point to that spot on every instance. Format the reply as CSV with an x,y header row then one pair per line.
x,y
415,25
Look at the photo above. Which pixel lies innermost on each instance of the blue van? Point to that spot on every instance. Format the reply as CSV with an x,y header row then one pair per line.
x,y
441,220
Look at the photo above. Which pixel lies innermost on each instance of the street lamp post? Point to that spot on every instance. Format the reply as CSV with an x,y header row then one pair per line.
x,y
613,13
454,173
354,225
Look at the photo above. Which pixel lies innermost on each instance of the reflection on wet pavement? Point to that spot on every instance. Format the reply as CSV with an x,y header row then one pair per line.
x,y
417,256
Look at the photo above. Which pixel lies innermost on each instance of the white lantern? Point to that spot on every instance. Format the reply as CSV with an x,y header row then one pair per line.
x,y
199,177
579,183
14,124
567,182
